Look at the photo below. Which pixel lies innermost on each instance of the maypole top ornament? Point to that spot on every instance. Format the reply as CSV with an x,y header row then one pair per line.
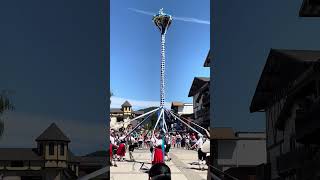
x,y
162,21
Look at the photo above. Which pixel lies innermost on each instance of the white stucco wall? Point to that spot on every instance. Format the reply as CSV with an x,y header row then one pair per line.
x,y
12,178
187,109
251,152
241,152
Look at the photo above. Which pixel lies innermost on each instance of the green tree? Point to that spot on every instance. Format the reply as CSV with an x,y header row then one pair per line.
x,y
111,94
153,118
5,105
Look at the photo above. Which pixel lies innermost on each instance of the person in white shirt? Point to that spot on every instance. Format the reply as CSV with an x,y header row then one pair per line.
x,y
157,155
152,144
113,149
178,140
131,142
111,139
121,151
167,147
201,155
187,146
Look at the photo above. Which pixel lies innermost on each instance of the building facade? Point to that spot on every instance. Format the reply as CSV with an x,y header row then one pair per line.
x,y
50,160
201,100
288,93
120,117
185,110
238,153
182,108
200,92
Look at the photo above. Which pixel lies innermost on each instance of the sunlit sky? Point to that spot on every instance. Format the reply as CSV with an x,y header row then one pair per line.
x,y
135,50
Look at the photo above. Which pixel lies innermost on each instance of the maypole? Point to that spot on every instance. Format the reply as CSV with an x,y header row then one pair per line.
x,y
162,21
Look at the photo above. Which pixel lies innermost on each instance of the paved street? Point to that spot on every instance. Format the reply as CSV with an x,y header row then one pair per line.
x,y
183,166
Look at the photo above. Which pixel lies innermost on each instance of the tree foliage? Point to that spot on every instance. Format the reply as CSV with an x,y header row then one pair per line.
x,y
5,105
153,118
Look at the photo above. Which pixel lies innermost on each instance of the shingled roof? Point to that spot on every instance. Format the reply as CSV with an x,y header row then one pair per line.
x,y
176,103
222,133
116,110
126,104
53,133
21,154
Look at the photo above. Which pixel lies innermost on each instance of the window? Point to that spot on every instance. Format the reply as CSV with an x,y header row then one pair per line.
x,y
41,149
62,149
292,143
16,163
51,149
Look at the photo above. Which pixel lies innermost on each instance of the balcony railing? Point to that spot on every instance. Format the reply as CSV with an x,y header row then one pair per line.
x,y
206,100
307,124
203,112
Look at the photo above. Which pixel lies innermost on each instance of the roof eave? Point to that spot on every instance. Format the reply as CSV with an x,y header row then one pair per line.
x,y
304,13
207,60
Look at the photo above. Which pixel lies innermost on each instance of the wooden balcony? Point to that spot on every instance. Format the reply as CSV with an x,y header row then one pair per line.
x,y
308,125
206,100
203,112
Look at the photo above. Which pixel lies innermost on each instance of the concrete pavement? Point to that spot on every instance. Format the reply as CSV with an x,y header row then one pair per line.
x,y
183,166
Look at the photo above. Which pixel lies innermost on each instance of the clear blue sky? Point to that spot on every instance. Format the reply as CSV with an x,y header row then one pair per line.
x,y
135,49
244,32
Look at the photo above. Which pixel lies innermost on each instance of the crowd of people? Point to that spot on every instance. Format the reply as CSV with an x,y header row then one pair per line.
x,y
158,143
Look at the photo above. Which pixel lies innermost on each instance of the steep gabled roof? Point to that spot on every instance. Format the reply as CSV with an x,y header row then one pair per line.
x,y
281,69
126,104
208,60
197,83
116,110
53,133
